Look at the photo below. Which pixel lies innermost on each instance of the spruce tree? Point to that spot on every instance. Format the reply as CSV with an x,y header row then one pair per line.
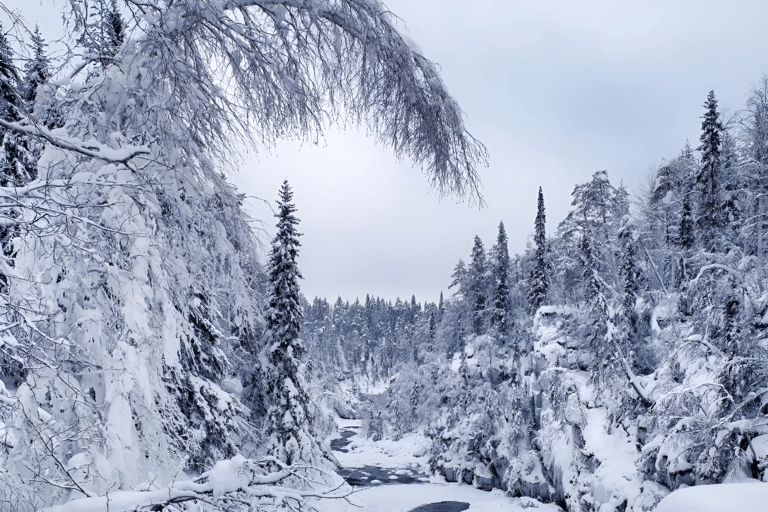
x,y
432,328
114,28
539,280
500,312
288,417
459,280
37,70
634,280
477,286
708,215
103,31
17,164
593,285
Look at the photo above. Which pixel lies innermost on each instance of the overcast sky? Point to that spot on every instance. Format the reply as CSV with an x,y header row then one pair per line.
x,y
555,90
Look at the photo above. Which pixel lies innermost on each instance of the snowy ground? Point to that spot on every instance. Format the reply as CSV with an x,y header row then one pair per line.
x,y
741,497
410,454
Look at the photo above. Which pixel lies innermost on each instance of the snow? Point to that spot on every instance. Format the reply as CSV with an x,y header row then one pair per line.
x,y
741,497
616,479
402,498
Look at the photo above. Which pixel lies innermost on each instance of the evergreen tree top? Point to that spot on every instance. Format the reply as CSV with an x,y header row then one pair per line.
x,y
502,238
478,254
8,71
37,69
711,127
541,221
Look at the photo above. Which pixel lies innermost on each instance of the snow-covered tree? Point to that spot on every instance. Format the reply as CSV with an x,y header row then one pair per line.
x,y
17,164
598,208
538,281
288,416
500,314
102,29
477,286
633,279
37,70
708,214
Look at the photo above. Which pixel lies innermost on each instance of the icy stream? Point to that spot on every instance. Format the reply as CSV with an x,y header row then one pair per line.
x,y
393,476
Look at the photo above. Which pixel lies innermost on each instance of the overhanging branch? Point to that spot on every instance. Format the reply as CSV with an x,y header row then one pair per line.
x,y
91,149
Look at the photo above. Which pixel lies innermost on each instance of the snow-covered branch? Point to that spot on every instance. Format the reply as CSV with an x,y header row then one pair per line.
x,y
91,149
713,266
245,480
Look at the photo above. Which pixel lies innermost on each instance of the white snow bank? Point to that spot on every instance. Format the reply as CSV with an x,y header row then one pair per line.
x,y
401,498
741,497
346,423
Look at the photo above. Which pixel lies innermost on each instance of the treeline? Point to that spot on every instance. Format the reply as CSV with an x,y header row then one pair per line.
x,y
369,339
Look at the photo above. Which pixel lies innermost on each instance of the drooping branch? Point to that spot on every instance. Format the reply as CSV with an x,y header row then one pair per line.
x,y
91,149
289,68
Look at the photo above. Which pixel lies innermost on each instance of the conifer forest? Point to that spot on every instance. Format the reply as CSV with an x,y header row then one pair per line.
x,y
157,352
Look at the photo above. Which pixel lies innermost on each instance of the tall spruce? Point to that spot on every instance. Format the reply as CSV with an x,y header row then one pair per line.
x,y
478,286
593,284
539,280
500,313
708,214
289,416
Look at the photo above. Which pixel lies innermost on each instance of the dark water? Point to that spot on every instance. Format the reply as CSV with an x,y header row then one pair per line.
x,y
372,475
360,477
443,506
339,445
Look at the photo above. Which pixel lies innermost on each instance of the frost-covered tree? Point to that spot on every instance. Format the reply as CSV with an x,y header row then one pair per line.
x,y
288,417
708,214
477,286
754,122
114,30
633,278
37,70
598,208
538,281
17,164
500,314
102,29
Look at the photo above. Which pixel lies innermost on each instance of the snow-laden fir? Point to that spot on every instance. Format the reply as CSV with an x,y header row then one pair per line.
x,y
150,361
